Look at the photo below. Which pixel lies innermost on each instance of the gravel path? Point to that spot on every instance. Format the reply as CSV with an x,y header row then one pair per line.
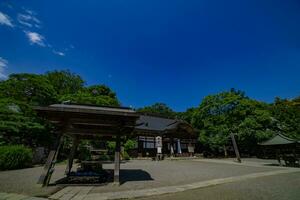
x,y
277,187
136,174
143,174
24,181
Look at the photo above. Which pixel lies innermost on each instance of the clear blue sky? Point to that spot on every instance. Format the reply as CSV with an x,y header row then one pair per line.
x,y
151,51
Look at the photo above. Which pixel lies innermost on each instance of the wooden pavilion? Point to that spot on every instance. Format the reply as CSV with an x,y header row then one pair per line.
x,y
287,149
86,122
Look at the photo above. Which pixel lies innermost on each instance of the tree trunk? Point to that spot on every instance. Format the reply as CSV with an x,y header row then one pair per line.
x,y
225,151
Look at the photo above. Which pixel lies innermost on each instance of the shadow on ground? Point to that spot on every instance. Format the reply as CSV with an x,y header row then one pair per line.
x,y
128,175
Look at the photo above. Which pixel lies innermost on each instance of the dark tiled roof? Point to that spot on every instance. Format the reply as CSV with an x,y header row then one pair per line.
x,y
279,139
154,123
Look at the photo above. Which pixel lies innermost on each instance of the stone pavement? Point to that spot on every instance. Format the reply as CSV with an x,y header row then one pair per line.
x,y
275,187
13,196
141,178
82,193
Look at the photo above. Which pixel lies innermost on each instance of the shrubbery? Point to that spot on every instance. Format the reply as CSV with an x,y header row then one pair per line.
x,y
15,157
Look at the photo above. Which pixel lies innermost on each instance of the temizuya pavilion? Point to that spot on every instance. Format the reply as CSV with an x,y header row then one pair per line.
x,y
80,121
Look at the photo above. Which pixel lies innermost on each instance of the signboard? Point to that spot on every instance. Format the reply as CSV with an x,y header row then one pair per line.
x,y
159,150
158,141
191,148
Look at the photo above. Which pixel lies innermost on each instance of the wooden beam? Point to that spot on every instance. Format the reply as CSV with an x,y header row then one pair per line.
x,y
117,161
50,163
72,154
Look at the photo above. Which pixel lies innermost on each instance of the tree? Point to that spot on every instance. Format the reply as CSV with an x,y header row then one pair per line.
x,y
30,88
19,124
187,115
65,82
159,109
287,114
232,112
97,95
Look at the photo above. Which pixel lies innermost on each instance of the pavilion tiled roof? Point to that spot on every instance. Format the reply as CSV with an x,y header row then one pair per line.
x,y
279,139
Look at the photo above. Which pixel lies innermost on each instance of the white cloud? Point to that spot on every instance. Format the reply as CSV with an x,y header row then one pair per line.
x,y
35,38
59,53
5,20
29,20
3,64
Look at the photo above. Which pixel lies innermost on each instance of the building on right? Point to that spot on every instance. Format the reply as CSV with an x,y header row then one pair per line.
x,y
286,149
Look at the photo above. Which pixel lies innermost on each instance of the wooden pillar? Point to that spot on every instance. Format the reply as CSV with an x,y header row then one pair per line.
x,y
71,155
179,151
117,161
50,163
236,150
171,147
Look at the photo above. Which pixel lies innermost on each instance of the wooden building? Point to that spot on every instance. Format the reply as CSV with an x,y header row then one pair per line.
x,y
178,137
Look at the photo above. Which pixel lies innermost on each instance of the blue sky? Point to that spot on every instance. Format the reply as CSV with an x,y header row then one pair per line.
x,y
150,51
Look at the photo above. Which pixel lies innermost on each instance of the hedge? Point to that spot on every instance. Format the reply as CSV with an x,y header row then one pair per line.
x,y
15,157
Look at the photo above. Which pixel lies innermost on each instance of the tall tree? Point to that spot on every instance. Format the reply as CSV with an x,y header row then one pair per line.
x,y
96,94
187,115
159,109
30,88
64,81
232,112
287,114
19,124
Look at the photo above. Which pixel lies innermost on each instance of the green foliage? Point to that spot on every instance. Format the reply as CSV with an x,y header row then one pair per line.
x,y
84,151
130,144
19,125
15,157
111,146
30,88
232,112
287,115
187,115
100,90
65,82
159,109
97,95
126,156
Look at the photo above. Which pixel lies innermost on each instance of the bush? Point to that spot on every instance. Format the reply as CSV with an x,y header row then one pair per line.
x,y
15,157
126,156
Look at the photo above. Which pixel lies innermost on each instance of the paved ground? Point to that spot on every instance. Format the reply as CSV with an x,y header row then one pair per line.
x,y
24,181
277,187
141,175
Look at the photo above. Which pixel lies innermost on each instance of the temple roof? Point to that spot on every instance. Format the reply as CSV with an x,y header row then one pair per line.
x,y
160,126
81,119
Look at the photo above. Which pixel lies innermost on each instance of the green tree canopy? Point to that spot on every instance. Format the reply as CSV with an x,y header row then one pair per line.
x,y
64,81
19,125
232,112
159,109
287,114
30,88
97,95
187,115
